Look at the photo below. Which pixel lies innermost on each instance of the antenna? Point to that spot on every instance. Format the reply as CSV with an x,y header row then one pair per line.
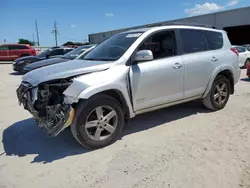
x,y
55,31
37,35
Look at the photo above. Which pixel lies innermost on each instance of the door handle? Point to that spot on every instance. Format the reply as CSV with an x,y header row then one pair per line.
x,y
177,65
214,59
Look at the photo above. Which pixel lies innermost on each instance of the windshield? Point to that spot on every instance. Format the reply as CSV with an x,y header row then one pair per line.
x,y
113,48
44,53
76,52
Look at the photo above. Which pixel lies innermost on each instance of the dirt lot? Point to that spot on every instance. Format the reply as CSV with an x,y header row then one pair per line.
x,y
184,146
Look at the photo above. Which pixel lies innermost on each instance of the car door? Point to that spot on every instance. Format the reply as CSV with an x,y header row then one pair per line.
x,y
198,61
4,52
160,80
242,55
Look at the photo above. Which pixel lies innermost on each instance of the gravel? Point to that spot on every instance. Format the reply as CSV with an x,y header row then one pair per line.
x,y
182,146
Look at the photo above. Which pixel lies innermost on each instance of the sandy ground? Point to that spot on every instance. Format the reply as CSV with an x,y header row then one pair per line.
x,y
184,146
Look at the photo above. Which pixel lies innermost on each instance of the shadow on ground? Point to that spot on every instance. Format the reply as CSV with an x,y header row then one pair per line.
x,y
15,74
245,79
25,138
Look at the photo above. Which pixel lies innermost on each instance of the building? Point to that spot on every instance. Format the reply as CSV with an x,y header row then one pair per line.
x,y
236,22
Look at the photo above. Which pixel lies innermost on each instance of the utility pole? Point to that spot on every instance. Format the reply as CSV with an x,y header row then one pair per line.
x,y
33,39
37,35
55,31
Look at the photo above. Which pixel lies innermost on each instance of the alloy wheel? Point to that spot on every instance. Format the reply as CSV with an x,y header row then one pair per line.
x,y
101,123
221,93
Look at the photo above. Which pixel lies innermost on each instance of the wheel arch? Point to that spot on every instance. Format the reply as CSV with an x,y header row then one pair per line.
x,y
224,71
117,92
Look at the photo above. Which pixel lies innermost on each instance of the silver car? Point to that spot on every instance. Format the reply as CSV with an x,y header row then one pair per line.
x,y
128,74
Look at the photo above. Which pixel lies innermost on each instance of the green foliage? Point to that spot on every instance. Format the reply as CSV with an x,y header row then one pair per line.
x,y
70,43
25,41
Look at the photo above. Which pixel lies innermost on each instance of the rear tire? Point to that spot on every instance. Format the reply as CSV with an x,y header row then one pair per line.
x,y
218,95
99,121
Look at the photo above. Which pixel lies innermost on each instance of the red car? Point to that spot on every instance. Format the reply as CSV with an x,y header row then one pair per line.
x,y
14,51
248,70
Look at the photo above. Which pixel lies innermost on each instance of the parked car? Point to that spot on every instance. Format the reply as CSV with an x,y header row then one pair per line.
x,y
244,56
123,77
14,51
248,70
19,64
80,51
247,46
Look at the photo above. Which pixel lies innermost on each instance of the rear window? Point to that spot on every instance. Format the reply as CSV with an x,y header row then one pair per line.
x,y
241,49
215,39
193,41
13,47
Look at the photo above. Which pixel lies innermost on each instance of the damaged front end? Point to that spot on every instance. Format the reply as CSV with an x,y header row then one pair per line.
x,y
46,103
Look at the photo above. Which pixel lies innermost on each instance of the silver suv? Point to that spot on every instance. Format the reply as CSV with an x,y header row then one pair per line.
x,y
128,74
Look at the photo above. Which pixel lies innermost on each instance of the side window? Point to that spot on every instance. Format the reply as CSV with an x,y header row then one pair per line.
x,y
161,44
57,52
193,41
67,50
240,49
4,47
215,39
18,47
12,47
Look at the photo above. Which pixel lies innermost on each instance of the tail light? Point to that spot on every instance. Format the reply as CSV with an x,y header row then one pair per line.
x,y
235,51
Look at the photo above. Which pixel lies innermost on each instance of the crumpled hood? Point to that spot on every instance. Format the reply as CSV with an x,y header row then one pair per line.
x,y
64,70
45,62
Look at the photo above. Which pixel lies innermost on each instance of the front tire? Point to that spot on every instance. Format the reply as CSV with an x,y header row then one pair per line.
x,y
99,121
218,96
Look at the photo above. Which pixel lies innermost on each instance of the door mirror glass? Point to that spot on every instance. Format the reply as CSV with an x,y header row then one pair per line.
x,y
144,55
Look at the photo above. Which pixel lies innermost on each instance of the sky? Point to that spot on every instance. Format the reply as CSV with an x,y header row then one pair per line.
x,y
77,18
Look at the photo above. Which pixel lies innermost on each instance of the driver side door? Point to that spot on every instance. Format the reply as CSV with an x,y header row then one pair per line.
x,y
159,81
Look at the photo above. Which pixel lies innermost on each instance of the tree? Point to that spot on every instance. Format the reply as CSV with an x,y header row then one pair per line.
x,y
25,41
70,43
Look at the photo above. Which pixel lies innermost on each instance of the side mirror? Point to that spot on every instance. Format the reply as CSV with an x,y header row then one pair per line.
x,y
144,55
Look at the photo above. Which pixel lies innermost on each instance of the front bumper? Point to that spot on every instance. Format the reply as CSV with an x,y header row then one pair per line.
x,y
24,95
19,67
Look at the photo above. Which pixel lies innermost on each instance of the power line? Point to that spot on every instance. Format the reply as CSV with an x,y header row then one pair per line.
x,y
55,31
37,35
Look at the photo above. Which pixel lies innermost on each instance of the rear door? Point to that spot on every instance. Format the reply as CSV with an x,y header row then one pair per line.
x,y
198,61
4,52
14,52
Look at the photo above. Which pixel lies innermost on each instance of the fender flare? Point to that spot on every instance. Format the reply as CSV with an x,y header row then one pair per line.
x,y
215,74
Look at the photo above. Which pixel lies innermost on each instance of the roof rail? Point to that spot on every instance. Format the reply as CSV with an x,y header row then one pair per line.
x,y
190,24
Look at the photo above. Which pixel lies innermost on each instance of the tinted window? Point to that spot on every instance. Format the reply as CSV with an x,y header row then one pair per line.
x,y
57,52
13,47
114,47
193,41
241,49
161,44
67,50
4,47
76,52
215,39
